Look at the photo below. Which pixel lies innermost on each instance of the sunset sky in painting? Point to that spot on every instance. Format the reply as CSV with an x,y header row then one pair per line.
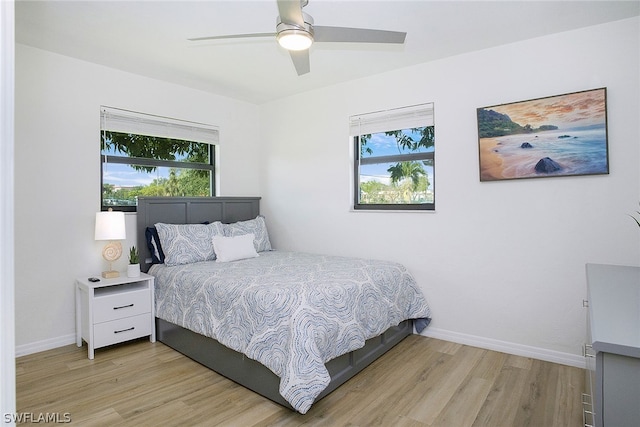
x,y
565,111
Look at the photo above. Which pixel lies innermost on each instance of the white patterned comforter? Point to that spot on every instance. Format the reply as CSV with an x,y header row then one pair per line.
x,y
292,312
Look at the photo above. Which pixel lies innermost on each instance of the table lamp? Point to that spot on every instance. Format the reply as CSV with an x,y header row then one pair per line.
x,y
110,226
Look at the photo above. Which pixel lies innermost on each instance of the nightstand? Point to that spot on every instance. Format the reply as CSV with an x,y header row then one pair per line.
x,y
114,310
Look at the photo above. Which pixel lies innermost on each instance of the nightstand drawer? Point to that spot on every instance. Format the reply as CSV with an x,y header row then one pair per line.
x,y
119,305
121,330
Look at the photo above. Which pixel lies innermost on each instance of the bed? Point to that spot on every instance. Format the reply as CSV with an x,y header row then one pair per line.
x,y
289,326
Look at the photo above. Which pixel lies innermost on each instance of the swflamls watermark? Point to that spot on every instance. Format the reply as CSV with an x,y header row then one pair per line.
x,y
40,417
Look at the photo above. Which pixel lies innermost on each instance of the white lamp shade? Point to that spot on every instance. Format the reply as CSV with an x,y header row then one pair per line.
x,y
110,226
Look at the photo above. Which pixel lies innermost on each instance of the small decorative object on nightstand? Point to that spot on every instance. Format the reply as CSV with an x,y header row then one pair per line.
x,y
133,269
111,311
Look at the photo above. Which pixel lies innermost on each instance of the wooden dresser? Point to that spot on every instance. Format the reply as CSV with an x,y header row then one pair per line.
x,y
612,398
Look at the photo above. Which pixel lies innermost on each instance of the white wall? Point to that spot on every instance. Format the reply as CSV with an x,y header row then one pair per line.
x,y
501,263
57,131
7,270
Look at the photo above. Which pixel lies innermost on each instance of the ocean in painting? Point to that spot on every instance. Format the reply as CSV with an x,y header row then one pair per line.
x,y
579,151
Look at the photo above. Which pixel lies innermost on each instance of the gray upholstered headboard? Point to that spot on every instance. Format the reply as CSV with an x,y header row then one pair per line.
x,y
189,210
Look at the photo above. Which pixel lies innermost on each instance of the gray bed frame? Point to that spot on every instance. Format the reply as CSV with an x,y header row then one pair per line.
x,y
209,352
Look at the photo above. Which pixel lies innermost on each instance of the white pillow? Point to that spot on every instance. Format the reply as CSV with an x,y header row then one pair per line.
x,y
234,248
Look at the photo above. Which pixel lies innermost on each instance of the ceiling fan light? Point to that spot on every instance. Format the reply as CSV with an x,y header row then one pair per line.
x,y
295,39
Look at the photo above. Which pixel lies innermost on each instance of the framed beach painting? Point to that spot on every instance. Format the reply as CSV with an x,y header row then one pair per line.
x,y
562,135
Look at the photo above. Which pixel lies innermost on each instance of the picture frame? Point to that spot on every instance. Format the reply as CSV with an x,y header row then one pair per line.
x,y
560,135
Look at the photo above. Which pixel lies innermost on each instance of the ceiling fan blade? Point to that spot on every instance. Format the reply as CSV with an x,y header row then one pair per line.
x,y
300,60
232,36
356,35
291,12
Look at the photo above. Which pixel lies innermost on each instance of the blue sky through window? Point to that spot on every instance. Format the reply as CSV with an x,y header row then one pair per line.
x,y
385,145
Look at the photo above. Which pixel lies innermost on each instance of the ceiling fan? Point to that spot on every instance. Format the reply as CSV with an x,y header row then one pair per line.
x,y
295,32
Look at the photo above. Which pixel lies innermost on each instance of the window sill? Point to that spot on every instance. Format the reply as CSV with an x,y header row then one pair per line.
x,y
419,211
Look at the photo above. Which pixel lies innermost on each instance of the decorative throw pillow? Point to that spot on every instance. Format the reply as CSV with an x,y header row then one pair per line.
x,y
257,226
234,248
188,243
153,243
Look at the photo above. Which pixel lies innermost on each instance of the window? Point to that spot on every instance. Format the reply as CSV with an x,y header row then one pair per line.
x,y
394,159
145,155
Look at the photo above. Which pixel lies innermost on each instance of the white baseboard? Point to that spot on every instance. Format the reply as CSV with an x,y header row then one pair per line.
x,y
507,347
472,340
38,346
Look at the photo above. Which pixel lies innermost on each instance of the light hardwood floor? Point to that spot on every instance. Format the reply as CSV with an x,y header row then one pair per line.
x,y
421,382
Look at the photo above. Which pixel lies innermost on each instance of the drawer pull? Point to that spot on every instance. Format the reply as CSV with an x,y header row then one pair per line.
x,y
124,330
123,306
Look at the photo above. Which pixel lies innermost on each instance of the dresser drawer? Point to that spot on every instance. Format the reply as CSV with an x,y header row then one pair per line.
x,y
119,305
116,331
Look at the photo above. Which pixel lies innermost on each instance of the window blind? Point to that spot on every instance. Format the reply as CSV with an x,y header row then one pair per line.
x,y
395,119
118,120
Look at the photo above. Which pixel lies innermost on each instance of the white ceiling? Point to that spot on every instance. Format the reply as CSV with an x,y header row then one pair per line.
x,y
150,37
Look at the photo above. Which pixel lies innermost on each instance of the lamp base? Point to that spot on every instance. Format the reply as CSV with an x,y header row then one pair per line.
x,y
110,274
